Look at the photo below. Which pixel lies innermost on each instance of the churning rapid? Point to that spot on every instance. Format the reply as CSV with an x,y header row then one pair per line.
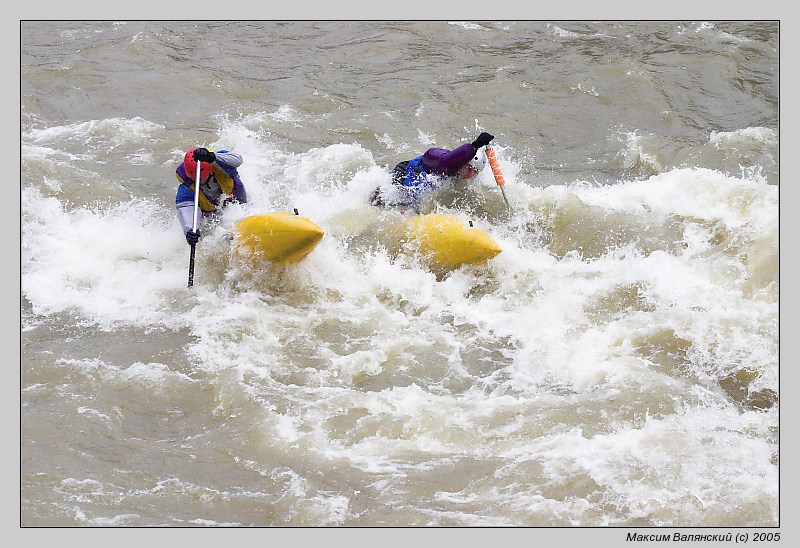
x,y
615,365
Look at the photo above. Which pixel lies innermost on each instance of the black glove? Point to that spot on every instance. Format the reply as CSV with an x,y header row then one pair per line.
x,y
192,237
203,155
482,140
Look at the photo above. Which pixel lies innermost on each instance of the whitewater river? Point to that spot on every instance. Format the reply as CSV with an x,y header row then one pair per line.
x,y
615,366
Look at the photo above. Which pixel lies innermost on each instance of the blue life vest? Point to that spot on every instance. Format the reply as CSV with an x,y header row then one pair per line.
x,y
415,172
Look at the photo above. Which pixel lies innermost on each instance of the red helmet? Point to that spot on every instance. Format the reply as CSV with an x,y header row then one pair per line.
x,y
190,165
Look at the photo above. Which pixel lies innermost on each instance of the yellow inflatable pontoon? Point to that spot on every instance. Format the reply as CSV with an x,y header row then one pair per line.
x,y
446,241
280,237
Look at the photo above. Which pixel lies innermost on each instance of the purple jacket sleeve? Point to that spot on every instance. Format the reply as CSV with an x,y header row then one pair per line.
x,y
440,161
238,190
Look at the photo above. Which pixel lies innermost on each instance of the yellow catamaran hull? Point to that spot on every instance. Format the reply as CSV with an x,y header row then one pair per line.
x,y
447,242
281,237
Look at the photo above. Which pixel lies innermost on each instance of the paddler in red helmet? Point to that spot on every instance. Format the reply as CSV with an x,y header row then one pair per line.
x,y
219,185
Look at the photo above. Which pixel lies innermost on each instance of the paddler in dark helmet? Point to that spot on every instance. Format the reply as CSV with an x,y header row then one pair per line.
x,y
413,179
219,185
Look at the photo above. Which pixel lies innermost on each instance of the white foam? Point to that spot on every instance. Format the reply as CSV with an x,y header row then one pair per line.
x,y
464,364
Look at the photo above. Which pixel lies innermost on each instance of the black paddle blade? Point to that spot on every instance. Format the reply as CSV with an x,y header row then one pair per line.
x,y
191,268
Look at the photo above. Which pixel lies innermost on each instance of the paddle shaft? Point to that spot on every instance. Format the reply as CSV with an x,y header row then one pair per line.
x,y
194,223
498,175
